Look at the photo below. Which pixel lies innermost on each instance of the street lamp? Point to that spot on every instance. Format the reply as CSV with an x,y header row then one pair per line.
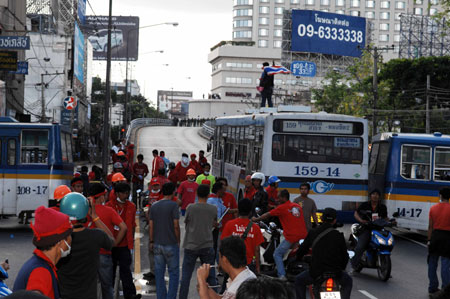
x,y
175,24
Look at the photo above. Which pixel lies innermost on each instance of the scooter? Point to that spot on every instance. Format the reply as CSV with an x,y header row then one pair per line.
x,y
4,290
378,253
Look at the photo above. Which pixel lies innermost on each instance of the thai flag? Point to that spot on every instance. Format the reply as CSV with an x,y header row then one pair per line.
x,y
273,70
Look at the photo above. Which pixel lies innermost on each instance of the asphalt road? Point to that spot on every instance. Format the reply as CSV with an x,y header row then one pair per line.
x,y
409,268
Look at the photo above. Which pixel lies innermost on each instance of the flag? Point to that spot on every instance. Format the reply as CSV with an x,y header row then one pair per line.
x,y
273,70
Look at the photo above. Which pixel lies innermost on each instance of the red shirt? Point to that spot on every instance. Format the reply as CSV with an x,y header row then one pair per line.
x,y
249,193
186,192
180,172
110,218
40,279
173,177
440,214
196,166
202,161
128,214
139,169
273,195
157,164
229,201
236,227
291,218
154,197
162,180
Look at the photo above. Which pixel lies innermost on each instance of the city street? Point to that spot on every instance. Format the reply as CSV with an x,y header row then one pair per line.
x,y
409,268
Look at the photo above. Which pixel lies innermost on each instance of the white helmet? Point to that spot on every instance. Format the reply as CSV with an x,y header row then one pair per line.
x,y
259,176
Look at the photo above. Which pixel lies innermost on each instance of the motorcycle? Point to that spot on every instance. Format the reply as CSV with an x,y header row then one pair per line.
x,y
4,290
378,254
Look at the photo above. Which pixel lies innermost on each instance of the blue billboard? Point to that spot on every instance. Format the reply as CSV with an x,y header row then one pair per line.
x,y
303,68
78,55
327,33
82,11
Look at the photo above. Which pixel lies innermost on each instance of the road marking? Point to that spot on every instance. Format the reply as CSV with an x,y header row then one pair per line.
x,y
365,293
137,255
413,241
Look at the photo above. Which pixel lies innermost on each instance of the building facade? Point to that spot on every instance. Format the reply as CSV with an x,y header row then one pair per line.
x,y
236,66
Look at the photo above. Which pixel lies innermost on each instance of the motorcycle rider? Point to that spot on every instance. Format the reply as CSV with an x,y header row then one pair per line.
x,y
367,212
260,198
272,191
321,239
4,290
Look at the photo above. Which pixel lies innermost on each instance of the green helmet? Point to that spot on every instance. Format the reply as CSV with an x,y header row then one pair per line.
x,y
75,205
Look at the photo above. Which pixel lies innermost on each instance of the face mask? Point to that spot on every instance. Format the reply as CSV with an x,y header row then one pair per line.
x,y
155,191
206,172
66,252
185,160
191,180
121,201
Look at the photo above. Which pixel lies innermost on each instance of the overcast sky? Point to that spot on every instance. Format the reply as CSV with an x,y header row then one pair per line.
x,y
202,24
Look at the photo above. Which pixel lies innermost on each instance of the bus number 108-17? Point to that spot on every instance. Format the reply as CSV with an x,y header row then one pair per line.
x,y
314,171
405,212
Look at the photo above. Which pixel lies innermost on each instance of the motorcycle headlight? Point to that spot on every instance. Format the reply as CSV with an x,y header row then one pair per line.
x,y
380,240
390,240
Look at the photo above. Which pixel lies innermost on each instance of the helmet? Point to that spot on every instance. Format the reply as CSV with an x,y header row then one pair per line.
x,y
119,154
273,179
191,172
75,205
117,165
117,177
259,176
60,192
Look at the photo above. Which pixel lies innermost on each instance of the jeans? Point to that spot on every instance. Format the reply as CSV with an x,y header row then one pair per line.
x,y
167,255
266,94
206,256
151,260
304,279
278,255
363,243
105,275
432,268
122,256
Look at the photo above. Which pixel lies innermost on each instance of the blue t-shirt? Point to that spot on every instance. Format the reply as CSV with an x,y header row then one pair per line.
x,y
216,201
163,213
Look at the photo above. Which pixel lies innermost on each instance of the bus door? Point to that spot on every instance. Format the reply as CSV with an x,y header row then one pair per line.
x,y
377,166
8,185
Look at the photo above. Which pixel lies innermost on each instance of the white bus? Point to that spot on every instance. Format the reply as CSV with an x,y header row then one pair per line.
x,y
328,151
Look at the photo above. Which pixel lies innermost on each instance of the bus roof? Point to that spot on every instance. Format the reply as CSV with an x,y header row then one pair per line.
x,y
259,119
435,137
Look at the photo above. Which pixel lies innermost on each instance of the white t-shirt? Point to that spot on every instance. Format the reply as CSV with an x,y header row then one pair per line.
x,y
115,149
233,285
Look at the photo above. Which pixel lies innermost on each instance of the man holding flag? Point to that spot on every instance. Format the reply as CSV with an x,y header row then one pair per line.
x,y
266,82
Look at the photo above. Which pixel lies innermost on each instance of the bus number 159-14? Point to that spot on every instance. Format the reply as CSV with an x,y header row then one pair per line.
x,y
314,171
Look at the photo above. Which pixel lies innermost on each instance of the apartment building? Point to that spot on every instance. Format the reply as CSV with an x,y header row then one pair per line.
x,y
258,30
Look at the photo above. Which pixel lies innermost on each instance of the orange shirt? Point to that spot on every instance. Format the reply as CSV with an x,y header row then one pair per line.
x,y
440,215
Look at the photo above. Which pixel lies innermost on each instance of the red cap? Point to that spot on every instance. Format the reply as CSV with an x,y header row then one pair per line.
x,y
49,226
193,155
248,178
155,181
76,175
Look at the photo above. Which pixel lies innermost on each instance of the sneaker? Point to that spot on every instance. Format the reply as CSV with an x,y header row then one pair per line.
x,y
434,293
283,278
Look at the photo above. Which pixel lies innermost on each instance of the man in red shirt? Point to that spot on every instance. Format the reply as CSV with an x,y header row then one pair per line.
x,y
249,190
181,168
162,177
272,191
202,159
52,238
195,165
229,201
157,163
294,228
121,253
139,172
439,241
115,224
187,190
254,239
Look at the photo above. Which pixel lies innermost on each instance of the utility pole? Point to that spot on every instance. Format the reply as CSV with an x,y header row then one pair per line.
x,y
43,116
427,120
106,124
375,90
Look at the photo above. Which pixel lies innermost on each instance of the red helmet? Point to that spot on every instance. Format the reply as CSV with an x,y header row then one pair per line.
x,y
60,192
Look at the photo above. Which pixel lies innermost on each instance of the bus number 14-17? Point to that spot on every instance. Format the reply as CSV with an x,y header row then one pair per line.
x,y
313,171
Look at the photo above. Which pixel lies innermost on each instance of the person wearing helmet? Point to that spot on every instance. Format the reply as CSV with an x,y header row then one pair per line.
x,y
58,194
51,236
187,190
121,254
157,163
115,179
81,266
260,199
117,167
115,224
249,190
272,191
181,168
195,165
77,185
139,171
206,175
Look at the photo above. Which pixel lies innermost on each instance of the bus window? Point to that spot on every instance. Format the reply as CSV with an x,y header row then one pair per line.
x,y
416,162
11,152
34,147
383,154
442,164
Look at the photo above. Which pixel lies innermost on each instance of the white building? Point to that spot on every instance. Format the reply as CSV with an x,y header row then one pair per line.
x,y
133,87
257,36
116,114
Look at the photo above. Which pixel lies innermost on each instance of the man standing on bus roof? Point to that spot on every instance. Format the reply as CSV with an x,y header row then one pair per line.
x,y
266,82
308,205
260,199
366,212
272,191
439,241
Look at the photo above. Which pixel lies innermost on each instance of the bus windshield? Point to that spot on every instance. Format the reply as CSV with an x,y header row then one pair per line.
x,y
318,149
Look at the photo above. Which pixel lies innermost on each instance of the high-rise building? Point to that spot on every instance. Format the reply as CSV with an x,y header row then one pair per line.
x,y
258,30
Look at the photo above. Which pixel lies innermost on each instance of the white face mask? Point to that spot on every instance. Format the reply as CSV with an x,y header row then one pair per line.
x,y
65,253
185,160
121,201
206,172
155,191
191,180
